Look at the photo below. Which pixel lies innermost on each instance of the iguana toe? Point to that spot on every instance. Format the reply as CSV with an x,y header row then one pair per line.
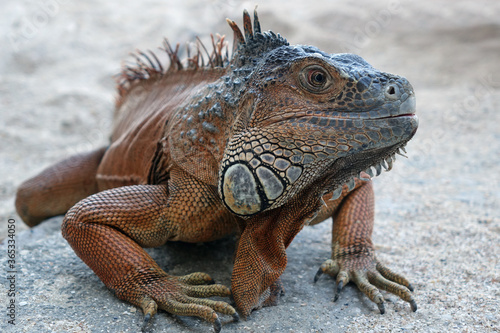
x,y
182,296
370,276
149,308
197,279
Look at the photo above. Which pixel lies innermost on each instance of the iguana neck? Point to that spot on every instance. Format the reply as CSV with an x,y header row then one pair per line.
x,y
197,131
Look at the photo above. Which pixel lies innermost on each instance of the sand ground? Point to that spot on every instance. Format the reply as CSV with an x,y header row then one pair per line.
x,y
438,212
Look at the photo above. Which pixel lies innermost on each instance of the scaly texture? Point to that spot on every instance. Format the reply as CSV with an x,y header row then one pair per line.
x,y
261,143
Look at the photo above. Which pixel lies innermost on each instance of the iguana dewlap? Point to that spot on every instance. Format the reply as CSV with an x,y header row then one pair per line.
x,y
259,143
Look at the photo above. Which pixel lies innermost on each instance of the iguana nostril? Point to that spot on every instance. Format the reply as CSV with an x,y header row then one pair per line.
x,y
392,91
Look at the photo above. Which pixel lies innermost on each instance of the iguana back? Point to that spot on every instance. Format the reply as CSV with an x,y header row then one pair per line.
x,y
138,152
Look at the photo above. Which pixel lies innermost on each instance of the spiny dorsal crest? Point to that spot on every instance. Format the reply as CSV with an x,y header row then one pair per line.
x,y
255,43
246,48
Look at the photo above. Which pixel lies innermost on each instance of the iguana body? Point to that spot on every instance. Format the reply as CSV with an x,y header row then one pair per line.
x,y
260,144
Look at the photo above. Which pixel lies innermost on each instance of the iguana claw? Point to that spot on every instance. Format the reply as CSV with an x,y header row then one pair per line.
x,y
340,285
217,325
318,275
381,307
413,304
145,322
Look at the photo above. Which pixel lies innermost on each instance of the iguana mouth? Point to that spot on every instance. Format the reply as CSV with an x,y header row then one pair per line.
x,y
406,109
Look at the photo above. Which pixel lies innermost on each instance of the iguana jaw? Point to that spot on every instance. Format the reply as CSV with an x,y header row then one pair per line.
x,y
370,161
251,183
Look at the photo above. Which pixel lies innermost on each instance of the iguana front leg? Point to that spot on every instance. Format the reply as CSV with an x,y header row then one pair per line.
x,y
108,230
261,253
353,256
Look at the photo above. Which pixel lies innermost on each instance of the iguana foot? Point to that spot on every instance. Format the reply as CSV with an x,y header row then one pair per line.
x,y
183,296
370,276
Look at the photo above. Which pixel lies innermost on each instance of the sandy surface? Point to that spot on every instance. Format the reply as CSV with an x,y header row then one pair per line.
x,y
438,213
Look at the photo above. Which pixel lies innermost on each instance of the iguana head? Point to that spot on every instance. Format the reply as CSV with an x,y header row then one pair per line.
x,y
307,120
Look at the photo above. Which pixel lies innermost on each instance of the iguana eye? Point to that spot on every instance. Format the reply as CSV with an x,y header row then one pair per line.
x,y
315,79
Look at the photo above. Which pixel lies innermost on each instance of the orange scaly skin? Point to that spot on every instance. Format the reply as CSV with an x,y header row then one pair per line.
x,y
261,144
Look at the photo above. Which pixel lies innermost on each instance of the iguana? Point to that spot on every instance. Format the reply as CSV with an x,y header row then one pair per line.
x,y
259,143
